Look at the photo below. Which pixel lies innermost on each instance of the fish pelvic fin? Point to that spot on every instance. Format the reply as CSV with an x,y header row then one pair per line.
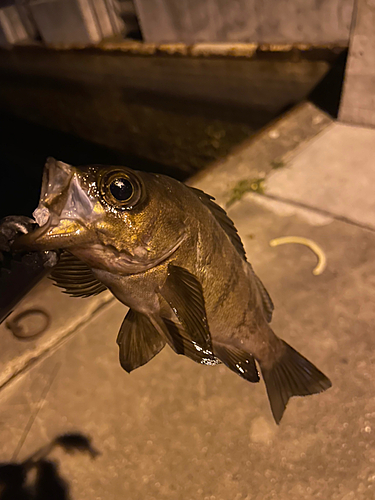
x,y
138,340
291,375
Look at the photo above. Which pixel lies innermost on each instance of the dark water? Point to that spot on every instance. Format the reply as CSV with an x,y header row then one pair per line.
x,y
24,147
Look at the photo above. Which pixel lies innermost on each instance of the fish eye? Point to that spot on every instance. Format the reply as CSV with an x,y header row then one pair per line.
x,y
120,188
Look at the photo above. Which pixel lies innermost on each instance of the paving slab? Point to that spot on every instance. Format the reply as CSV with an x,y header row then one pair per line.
x,y
49,313
175,429
334,173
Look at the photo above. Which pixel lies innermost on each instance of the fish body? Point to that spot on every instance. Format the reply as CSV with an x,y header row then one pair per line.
x,y
172,255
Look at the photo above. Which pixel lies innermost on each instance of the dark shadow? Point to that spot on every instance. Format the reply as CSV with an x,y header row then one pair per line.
x,y
47,483
327,94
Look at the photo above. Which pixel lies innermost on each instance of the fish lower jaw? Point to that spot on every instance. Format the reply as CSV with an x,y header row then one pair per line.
x,y
64,234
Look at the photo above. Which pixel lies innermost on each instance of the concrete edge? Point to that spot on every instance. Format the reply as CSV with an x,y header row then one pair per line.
x,y
268,149
235,50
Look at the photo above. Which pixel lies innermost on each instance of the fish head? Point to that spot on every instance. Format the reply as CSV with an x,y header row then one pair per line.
x,y
111,217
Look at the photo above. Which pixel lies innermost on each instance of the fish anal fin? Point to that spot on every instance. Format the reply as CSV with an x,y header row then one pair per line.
x,y
75,277
183,292
291,375
237,360
138,341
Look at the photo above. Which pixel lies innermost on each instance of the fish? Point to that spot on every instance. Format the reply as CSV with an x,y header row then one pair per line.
x,y
175,258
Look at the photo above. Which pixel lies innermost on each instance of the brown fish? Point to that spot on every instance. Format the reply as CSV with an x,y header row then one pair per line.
x,y
173,256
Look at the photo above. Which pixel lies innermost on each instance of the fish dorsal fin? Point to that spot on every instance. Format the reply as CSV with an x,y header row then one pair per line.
x,y
184,294
265,296
75,277
222,218
266,299
138,341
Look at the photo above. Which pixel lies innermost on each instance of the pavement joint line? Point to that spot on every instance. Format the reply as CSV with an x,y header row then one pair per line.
x,y
318,210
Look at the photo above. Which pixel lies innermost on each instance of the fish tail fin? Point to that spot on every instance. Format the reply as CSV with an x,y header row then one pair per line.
x,y
291,375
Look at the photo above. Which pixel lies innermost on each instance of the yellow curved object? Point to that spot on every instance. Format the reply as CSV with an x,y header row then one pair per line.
x,y
322,259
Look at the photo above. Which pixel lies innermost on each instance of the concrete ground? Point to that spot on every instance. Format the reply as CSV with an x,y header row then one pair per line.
x,y
177,430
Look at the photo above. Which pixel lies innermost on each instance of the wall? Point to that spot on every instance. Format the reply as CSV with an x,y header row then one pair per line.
x,y
261,21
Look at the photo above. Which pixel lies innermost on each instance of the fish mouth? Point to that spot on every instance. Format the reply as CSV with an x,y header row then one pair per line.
x,y
63,213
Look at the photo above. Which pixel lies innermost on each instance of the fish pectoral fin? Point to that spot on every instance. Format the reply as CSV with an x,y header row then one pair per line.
x,y
291,375
139,341
75,277
237,360
184,294
181,344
